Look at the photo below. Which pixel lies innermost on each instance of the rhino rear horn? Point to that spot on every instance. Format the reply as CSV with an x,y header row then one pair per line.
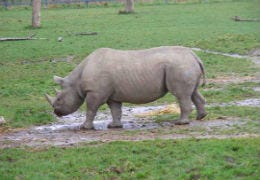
x,y
57,91
50,99
58,80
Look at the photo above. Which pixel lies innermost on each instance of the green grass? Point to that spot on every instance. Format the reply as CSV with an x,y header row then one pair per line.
x,y
231,92
217,65
27,67
159,159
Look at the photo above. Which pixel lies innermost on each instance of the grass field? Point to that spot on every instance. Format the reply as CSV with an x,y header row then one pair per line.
x,y
159,159
27,68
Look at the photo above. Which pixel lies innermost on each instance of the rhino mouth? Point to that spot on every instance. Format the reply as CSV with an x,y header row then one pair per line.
x,y
58,113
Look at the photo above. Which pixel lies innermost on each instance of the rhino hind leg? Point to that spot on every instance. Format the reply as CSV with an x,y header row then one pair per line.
x,y
199,102
116,111
186,108
183,94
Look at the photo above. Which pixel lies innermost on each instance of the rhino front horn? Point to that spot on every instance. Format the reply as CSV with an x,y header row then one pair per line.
x,y
50,99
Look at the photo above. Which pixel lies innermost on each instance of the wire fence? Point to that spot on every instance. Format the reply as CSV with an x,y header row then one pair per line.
x,y
8,3
46,3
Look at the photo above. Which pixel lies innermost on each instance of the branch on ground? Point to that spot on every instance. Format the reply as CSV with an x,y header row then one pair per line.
x,y
82,33
237,18
31,37
86,33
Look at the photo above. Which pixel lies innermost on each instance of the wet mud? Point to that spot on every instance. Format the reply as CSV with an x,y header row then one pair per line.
x,y
66,131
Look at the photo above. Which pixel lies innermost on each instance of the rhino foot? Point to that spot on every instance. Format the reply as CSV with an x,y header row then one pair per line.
x,y
201,116
86,127
115,125
181,122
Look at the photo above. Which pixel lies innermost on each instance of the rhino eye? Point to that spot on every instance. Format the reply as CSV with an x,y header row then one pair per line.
x,y
59,101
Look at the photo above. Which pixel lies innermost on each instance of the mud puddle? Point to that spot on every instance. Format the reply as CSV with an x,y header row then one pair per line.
x,y
129,120
136,126
66,130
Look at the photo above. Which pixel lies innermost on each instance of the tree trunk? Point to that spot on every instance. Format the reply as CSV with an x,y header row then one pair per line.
x,y
6,3
36,13
129,6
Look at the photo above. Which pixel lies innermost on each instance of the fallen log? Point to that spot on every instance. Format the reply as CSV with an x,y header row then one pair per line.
x,y
82,33
237,18
31,37
86,33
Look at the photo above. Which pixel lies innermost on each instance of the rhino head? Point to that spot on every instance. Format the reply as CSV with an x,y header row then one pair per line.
x,y
67,100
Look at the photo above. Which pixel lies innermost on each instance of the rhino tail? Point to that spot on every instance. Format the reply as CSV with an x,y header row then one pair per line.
x,y
202,69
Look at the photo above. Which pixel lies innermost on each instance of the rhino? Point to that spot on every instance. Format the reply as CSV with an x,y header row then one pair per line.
x,y
134,76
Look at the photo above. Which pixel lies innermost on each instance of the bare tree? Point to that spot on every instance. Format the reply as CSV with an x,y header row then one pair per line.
x,y
36,13
129,6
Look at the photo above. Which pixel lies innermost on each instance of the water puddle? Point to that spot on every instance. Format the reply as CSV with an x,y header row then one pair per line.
x,y
247,102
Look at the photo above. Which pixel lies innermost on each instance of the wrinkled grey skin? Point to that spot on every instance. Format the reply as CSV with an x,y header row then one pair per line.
x,y
114,76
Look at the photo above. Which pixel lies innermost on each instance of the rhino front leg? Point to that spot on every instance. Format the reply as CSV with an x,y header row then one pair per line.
x,y
116,111
88,124
93,101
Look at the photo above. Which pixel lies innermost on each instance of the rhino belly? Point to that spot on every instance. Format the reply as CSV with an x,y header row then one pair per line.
x,y
138,88
137,96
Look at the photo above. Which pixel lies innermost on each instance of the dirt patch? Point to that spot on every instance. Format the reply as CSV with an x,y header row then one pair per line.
x,y
254,52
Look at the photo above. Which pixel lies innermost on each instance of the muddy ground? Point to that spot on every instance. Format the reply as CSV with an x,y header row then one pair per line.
x,y
137,126
65,132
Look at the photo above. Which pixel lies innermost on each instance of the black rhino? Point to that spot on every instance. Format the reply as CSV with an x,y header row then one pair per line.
x,y
135,76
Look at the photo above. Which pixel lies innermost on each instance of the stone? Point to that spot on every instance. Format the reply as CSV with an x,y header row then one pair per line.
x,y
2,120
60,39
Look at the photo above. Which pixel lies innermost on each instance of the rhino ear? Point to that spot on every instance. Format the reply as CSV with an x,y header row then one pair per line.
x,y
58,80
